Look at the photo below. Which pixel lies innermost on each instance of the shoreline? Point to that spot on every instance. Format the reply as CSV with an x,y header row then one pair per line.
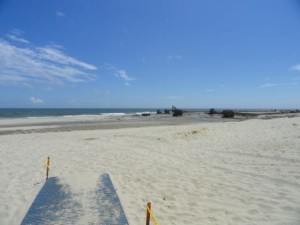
x,y
64,124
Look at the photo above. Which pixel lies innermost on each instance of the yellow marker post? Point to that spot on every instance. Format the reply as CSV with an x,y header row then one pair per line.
x,y
148,213
47,167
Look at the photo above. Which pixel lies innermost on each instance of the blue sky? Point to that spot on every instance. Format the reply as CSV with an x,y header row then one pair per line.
x,y
158,53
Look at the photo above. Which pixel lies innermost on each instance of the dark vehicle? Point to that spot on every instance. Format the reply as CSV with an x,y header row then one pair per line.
x,y
228,114
176,112
212,111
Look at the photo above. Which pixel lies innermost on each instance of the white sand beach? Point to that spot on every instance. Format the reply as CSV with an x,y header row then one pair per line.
x,y
237,173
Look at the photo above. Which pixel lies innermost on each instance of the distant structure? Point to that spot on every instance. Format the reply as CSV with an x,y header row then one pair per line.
x,y
176,112
158,112
228,114
212,111
145,114
167,111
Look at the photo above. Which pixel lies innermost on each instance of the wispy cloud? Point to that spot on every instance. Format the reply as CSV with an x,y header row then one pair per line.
x,y
18,39
124,76
209,90
16,36
60,14
56,55
36,101
269,85
120,73
296,67
16,32
25,64
174,57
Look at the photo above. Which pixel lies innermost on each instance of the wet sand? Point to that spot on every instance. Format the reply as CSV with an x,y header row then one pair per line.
x,y
72,123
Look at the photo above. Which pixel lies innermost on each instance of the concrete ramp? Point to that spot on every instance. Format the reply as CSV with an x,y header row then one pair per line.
x,y
55,204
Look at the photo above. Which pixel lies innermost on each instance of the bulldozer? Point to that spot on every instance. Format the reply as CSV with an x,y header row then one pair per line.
x,y
176,112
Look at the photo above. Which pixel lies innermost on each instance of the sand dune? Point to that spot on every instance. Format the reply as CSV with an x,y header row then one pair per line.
x,y
214,173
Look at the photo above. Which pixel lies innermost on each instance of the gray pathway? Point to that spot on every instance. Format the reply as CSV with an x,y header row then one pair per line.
x,y
55,204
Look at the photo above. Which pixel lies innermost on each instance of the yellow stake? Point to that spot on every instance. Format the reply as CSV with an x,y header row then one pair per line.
x,y
47,167
152,216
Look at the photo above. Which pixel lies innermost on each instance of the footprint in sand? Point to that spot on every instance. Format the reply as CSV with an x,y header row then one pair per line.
x,y
253,211
227,212
297,177
287,208
210,195
212,219
193,204
265,208
237,219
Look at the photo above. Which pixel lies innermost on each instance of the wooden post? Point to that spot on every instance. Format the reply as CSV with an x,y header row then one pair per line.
x,y
148,214
47,167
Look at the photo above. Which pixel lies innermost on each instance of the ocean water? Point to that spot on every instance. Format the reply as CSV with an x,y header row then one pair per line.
x,y
67,112
55,112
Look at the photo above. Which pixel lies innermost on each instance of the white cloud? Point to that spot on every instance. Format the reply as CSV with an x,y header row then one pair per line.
x,y
18,39
209,90
36,101
53,54
16,32
175,57
123,75
16,35
296,67
60,14
34,65
268,85
120,73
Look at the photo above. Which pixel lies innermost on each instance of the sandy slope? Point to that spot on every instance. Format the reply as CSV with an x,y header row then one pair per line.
x,y
218,173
